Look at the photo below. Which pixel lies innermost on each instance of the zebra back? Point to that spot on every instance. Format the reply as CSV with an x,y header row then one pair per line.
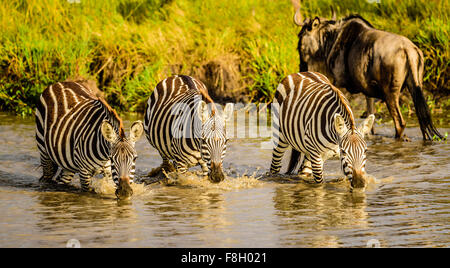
x,y
307,103
68,119
170,98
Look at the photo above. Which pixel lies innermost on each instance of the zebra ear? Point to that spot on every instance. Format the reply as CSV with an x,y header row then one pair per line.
x,y
108,131
136,130
228,111
366,125
339,125
203,111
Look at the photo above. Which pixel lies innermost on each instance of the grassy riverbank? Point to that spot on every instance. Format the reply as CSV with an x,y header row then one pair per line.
x,y
240,48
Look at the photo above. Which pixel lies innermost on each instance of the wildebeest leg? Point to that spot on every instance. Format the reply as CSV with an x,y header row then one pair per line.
x,y
371,110
392,102
106,170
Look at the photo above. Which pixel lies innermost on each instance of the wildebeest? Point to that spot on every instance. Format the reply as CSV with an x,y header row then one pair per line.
x,y
360,58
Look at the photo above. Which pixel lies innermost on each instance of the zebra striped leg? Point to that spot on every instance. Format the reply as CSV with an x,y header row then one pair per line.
x,y
277,155
305,168
49,168
65,177
166,165
181,167
317,168
205,169
107,172
85,181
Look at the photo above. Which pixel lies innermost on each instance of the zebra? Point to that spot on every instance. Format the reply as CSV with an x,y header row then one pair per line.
x,y
179,124
315,119
78,132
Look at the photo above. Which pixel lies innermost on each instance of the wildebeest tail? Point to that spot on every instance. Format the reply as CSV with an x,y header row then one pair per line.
x,y
415,62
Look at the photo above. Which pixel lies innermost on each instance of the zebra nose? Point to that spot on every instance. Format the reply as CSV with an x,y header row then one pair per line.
x,y
124,189
216,174
358,179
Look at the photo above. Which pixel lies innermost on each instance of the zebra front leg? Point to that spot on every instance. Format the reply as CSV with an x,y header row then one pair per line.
x,y
49,168
65,177
277,155
317,168
85,181
205,169
305,168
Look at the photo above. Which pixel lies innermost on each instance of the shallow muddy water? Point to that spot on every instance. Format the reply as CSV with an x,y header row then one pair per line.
x,y
408,204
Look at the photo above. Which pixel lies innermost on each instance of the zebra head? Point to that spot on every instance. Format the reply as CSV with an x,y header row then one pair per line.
x,y
214,139
122,155
353,149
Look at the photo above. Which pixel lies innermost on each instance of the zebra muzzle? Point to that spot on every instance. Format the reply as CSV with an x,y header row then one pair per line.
x,y
124,189
358,179
216,174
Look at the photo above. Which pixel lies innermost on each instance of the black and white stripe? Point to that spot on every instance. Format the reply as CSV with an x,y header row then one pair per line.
x,y
181,126
315,119
70,125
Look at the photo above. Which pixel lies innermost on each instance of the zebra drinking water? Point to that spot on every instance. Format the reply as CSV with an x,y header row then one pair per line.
x,y
80,133
180,126
315,119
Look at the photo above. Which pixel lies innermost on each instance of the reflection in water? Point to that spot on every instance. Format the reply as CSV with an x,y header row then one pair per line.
x,y
72,215
407,207
310,214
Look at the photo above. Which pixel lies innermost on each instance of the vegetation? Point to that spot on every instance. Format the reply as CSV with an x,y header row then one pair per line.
x,y
240,48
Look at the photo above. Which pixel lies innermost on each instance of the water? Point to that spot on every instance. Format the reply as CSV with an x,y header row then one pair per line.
x,y
406,205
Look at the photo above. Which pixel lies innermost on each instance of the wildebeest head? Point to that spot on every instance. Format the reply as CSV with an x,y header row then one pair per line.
x,y
312,40
214,138
353,149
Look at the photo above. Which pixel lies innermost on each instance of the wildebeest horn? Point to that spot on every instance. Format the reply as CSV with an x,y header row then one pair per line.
x,y
333,13
298,20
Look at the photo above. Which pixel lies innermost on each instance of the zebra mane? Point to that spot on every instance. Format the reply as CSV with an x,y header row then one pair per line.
x,y
204,92
114,114
346,106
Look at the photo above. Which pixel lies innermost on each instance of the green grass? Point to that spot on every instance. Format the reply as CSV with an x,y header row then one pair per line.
x,y
127,46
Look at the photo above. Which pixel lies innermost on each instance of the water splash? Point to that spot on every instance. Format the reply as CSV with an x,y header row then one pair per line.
x,y
108,187
194,179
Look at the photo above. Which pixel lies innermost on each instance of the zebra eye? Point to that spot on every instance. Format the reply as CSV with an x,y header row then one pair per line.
x,y
343,153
